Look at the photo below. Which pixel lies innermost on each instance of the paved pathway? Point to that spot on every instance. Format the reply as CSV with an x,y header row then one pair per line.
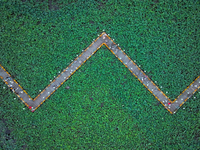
x,y
103,39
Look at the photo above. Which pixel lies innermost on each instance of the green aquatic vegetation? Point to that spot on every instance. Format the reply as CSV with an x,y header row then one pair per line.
x,y
105,106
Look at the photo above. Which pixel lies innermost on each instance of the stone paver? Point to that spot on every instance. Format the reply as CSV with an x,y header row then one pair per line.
x,y
103,39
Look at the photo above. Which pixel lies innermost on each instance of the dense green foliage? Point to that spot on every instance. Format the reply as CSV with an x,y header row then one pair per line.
x,y
105,107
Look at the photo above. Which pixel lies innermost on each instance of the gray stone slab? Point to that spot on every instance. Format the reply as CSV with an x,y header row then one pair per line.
x,y
58,81
1,69
126,60
31,103
106,40
98,42
85,55
197,82
23,95
63,77
15,86
154,89
150,86
71,69
67,73
54,85
76,64
44,95
174,108
26,98
130,65
113,46
133,68
80,60
92,49
136,72
50,89
189,92
110,43
181,98
94,46
192,87
141,76
4,75
160,96
18,90
36,102
145,81
120,55
115,49
156,92
165,101
10,81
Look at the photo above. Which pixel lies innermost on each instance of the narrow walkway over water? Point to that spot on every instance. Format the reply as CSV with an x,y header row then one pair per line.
x,y
103,39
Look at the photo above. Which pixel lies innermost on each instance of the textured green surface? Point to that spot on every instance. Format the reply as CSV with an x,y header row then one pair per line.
x,y
105,107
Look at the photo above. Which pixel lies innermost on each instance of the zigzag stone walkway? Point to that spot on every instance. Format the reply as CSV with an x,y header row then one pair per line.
x,y
103,39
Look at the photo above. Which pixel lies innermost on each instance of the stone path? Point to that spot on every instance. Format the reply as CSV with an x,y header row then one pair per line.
x,y
103,39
